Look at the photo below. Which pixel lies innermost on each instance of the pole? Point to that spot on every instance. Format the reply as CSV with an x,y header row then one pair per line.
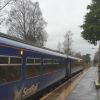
x,y
99,64
97,82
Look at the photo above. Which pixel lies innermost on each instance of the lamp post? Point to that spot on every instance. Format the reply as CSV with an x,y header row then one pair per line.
x,y
97,82
99,64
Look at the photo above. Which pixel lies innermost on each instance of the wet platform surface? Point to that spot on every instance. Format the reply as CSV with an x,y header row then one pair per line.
x,y
86,90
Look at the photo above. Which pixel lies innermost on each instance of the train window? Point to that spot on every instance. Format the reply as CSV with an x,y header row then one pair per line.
x,y
50,61
44,61
9,69
4,60
33,61
37,60
15,60
9,73
55,61
47,61
32,70
30,60
51,65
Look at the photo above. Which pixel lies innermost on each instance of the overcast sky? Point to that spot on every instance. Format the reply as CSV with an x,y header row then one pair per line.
x,y
64,15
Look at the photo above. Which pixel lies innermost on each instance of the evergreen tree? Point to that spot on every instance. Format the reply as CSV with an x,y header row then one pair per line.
x,y
91,26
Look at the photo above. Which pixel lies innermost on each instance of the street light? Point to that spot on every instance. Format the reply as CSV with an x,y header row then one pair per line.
x,y
97,82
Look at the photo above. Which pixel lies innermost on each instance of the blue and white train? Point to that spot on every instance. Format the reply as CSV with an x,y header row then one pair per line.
x,y
26,69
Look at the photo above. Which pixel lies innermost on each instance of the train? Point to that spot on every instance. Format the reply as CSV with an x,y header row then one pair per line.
x,y
26,69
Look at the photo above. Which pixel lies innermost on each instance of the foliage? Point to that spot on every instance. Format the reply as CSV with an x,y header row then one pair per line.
x,y
86,58
78,55
26,22
91,26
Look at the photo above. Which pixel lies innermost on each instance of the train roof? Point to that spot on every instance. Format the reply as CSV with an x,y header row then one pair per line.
x,y
8,40
71,57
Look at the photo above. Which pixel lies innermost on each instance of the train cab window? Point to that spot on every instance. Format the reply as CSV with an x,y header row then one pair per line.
x,y
33,69
4,60
10,72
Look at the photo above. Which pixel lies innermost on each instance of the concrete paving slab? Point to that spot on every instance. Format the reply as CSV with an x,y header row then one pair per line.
x,y
86,90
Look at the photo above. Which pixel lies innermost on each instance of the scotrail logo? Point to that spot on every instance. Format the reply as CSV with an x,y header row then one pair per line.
x,y
25,92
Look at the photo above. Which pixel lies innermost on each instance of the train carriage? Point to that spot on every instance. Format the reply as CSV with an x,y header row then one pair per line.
x,y
26,69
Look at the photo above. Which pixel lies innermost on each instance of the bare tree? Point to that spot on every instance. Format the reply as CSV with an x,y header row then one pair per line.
x,y
26,22
67,44
3,5
59,46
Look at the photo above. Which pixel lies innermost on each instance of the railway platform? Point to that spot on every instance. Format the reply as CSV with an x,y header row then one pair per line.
x,y
85,89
